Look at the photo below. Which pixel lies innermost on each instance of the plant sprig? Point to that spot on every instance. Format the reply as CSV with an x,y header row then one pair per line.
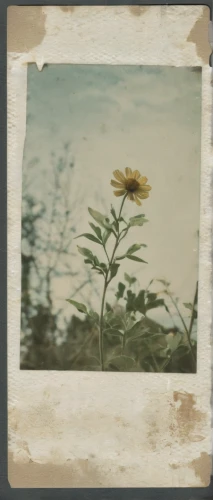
x,y
107,227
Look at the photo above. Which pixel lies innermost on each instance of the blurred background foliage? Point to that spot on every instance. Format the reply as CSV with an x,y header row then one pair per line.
x,y
52,341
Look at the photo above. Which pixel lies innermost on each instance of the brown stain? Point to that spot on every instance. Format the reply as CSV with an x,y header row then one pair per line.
x,y
138,10
39,421
199,36
67,8
121,422
153,434
74,474
202,468
186,418
25,28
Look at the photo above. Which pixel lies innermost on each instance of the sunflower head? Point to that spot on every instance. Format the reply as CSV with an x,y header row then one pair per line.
x,y
131,184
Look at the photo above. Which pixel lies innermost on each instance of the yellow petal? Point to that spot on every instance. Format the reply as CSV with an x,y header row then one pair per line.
x,y
119,175
142,196
130,196
136,174
142,180
145,188
137,201
116,184
128,172
121,192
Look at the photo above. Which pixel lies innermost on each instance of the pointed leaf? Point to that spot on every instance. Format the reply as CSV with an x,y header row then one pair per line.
x,y
106,235
85,252
89,237
129,279
130,305
139,303
80,307
113,213
137,259
113,270
138,220
108,307
94,315
134,248
120,292
154,304
188,305
136,331
151,297
100,218
97,230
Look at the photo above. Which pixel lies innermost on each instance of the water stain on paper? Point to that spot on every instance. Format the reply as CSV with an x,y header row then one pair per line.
x,y
199,36
186,419
201,466
75,473
25,28
138,10
67,8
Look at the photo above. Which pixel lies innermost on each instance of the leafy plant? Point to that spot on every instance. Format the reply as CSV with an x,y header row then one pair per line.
x,y
128,339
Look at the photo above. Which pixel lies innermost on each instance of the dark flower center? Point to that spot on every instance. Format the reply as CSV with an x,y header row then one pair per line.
x,y
131,185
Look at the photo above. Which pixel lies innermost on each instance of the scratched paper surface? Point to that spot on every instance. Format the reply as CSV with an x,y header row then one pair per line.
x,y
79,428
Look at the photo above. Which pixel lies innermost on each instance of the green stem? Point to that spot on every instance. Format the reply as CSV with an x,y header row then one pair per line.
x,y
106,283
101,325
123,343
193,310
185,328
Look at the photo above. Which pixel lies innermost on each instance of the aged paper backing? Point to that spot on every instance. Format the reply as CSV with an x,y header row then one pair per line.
x,y
155,427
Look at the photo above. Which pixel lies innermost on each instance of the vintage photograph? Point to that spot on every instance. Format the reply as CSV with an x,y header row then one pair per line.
x,y
110,218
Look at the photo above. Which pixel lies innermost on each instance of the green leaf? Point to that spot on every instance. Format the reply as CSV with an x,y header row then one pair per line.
x,y
134,248
111,320
108,307
154,304
130,305
130,280
113,213
89,237
96,261
120,292
151,297
140,302
113,270
173,340
97,230
100,218
86,253
121,363
116,225
120,257
137,259
88,261
136,331
80,307
138,220
188,305
106,235
113,331
94,315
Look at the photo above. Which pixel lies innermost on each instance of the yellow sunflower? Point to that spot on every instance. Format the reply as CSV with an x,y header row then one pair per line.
x,y
132,184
